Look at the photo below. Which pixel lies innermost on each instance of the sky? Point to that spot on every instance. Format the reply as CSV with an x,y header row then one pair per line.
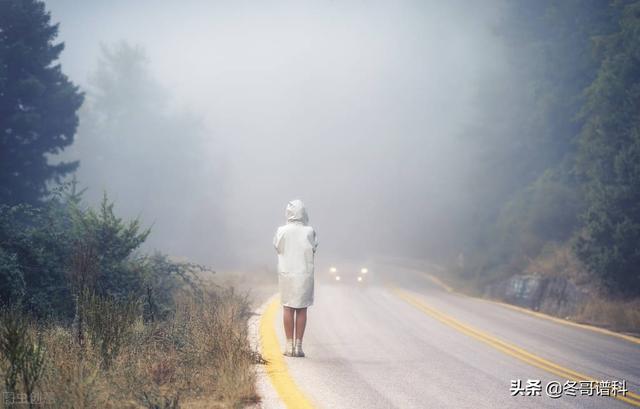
x,y
355,107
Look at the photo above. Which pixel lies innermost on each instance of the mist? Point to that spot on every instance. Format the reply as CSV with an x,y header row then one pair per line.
x,y
359,108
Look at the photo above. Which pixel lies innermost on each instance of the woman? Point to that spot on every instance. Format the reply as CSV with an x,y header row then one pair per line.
x,y
296,244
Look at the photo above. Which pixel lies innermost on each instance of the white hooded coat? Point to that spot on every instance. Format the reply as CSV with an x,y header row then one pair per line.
x,y
296,244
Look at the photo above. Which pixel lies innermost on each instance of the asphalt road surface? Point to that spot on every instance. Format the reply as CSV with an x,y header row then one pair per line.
x,y
408,343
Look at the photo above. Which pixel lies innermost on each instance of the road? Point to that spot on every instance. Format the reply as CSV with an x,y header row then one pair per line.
x,y
405,342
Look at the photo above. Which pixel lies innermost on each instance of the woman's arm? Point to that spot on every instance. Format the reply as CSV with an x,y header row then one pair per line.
x,y
314,240
278,241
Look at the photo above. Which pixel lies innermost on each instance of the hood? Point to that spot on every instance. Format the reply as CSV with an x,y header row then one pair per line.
x,y
296,213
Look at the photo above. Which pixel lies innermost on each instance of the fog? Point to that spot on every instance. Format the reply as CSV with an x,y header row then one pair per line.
x,y
355,107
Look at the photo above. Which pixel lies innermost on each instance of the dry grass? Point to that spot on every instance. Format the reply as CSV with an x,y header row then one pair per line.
x,y
560,260
598,309
623,316
198,358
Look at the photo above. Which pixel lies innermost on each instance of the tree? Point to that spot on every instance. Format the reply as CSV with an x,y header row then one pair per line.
x,y
52,252
609,158
522,180
155,158
38,103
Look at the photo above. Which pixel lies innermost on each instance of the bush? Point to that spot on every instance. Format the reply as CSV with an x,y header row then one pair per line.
x,y
124,329
162,279
109,322
49,254
23,353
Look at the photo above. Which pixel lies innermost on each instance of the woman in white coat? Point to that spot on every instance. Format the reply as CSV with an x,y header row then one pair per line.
x,y
296,244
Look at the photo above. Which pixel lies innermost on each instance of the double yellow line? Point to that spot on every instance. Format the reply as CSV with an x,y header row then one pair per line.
x,y
604,331
509,349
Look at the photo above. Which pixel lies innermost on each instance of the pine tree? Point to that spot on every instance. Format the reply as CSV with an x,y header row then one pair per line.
x,y
610,158
38,103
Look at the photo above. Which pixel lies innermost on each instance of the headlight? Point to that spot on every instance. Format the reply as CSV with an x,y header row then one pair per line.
x,y
359,279
333,270
337,278
364,270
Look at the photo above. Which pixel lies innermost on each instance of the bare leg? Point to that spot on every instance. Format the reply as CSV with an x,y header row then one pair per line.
x,y
288,322
301,322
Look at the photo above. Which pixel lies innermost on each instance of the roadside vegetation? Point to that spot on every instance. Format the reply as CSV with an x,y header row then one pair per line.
x,y
554,157
89,322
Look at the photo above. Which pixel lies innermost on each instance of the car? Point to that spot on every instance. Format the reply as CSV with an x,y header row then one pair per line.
x,y
349,275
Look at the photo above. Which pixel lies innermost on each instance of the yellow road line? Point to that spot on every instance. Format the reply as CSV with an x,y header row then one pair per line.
x,y
507,348
277,370
440,283
629,338
604,331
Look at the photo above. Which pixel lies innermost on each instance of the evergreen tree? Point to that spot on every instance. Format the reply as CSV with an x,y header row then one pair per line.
x,y
38,103
523,187
137,139
610,158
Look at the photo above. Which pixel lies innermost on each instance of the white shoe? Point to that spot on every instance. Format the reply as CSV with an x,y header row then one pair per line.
x,y
298,349
288,350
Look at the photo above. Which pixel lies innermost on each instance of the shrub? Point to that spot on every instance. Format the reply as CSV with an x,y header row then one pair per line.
x,y
48,254
23,351
109,323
